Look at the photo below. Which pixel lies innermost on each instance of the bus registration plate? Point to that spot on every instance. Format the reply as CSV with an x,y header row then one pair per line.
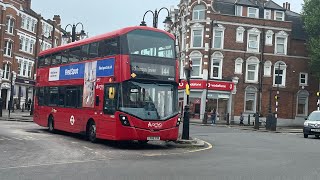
x,y
153,138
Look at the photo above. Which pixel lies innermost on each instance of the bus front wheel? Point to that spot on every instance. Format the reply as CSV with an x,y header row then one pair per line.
x,y
91,132
50,124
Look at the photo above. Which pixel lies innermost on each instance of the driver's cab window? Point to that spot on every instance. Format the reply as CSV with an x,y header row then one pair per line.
x,y
111,99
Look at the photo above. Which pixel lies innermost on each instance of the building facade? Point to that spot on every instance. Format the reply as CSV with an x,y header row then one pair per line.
x,y
23,34
243,54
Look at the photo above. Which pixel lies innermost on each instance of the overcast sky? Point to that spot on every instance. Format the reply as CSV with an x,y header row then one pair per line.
x,y
100,16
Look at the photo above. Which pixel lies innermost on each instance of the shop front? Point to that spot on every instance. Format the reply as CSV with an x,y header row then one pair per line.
x,y
205,96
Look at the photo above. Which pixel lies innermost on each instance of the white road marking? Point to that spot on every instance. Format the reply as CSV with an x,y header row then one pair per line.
x,y
88,148
17,138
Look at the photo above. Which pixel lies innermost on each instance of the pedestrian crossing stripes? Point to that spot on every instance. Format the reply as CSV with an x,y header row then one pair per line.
x,y
13,138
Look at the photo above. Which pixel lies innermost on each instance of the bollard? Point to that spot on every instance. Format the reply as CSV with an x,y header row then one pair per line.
x,y
22,109
205,118
227,118
0,107
268,122
256,121
249,119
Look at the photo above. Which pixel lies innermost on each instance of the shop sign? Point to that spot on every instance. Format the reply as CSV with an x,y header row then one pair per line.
x,y
211,85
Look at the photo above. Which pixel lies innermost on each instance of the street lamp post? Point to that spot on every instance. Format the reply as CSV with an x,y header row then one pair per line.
x,y
155,14
12,82
74,34
186,118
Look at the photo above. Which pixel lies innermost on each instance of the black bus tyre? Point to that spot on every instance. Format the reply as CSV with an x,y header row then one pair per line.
x,y
305,135
51,124
143,142
317,136
92,132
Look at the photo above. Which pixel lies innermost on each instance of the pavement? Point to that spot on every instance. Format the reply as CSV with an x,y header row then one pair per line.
x,y
17,115
282,129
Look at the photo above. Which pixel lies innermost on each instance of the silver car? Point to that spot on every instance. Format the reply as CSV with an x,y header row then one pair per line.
x,y
312,125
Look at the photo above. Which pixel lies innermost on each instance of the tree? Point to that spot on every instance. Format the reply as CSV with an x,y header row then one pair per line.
x,y
311,17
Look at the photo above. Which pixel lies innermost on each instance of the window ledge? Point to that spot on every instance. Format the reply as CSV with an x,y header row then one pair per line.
x,y
238,73
303,85
7,56
11,34
267,76
280,86
196,48
239,41
251,82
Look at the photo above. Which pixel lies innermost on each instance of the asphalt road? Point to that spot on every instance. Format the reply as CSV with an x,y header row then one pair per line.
x,y
30,152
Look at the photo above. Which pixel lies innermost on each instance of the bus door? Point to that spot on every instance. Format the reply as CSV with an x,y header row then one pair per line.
x,y
110,102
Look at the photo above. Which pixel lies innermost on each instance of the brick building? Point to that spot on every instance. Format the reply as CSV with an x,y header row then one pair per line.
x,y
23,34
243,53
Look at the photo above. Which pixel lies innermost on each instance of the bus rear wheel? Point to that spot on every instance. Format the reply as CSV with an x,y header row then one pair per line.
x,y
51,124
91,132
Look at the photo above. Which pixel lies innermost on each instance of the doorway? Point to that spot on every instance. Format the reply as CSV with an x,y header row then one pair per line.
x,y
4,98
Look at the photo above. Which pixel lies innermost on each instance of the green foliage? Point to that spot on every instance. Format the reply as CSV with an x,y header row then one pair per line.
x,y
311,17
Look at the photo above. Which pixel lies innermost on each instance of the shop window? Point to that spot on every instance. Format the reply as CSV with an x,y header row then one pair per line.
x,y
250,99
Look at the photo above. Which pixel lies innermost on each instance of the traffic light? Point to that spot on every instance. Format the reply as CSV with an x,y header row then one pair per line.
x,y
276,97
188,89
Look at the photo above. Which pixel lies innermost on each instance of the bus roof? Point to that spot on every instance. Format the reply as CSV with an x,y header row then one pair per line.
x,y
101,37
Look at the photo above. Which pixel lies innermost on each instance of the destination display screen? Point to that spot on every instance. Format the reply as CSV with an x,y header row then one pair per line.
x,y
153,68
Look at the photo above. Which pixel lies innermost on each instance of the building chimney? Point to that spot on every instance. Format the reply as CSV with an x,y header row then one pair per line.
x,y
57,19
288,6
284,6
28,4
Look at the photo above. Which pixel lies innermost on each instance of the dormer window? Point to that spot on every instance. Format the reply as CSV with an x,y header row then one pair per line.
x,y
199,12
279,15
267,14
238,11
253,12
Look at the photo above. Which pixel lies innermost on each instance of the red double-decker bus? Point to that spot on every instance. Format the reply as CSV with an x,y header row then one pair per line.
x,y
121,85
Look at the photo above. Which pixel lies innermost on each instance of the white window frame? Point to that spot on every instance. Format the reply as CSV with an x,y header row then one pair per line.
x,y
193,55
25,67
216,57
305,95
253,31
267,69
269,38
252,61
265,14
238,10
10,24
283,67
306,79
240,34
27,43
275,15
197,27
8,47
238,66
196,13
182,66
256,15
251,90
221,29
6,71
183,41
284,35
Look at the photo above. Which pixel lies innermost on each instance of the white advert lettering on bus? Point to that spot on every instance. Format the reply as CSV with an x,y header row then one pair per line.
x,y
102,68
71,72
154,125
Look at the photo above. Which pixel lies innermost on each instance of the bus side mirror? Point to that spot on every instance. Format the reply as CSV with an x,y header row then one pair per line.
x,y
97,102
111,92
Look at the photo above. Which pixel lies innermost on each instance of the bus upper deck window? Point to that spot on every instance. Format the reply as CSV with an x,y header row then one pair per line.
x,y
47,61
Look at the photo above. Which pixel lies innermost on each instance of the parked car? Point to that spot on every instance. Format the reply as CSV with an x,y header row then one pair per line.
x,y
312,125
